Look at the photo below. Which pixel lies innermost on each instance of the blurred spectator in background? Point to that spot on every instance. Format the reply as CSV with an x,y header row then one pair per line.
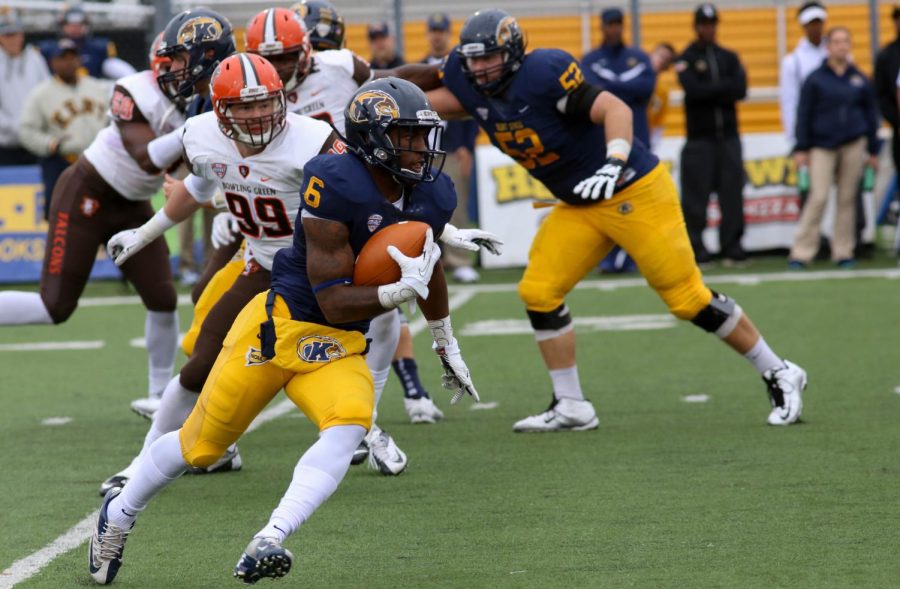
x,y
459,143
62,115
21,69
802,61
712,161
661,59
383,46
627,73
887,68
837,135
98,55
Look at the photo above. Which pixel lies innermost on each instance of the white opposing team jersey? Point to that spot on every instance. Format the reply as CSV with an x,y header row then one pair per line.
x,y
263,190
107,153
327,89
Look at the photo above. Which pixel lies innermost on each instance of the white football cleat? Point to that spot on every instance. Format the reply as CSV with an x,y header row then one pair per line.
x,y
107,544
563,415
384,455
786,387
263,557
146,407
422,410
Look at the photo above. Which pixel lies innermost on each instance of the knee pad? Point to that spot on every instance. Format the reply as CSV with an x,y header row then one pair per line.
x,y
687,299
720,316
539,296
202,453
550,325
164,298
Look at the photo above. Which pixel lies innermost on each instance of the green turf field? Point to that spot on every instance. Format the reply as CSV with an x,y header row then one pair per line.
x,y
665,493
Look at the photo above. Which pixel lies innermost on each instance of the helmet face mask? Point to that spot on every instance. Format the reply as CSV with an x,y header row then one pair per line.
x,y
200,39
390,124
485,33
248,99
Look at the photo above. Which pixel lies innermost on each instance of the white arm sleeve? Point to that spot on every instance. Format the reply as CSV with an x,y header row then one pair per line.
x,y
788,95
166,149
115,68
201,189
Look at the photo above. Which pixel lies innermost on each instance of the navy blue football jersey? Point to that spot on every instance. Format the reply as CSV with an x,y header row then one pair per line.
x,y
525,123
340,188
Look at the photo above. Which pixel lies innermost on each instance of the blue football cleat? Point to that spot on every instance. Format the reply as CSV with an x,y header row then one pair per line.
x,y
263,557
107,544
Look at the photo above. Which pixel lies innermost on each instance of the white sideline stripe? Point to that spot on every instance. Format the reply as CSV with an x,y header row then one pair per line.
x,y
743,279
27,567
51,346
56,421
695,398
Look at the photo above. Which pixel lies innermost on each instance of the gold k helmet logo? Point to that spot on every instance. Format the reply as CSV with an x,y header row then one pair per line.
x,y
506,30
200,29
375,104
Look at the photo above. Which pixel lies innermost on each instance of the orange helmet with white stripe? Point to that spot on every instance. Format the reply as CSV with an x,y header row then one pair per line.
x,y
156,62
248,99
280,35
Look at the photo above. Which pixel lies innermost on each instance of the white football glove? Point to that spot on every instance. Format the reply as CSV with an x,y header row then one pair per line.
x,y
224,228
456,374
603,183
415,274
125,244
471,239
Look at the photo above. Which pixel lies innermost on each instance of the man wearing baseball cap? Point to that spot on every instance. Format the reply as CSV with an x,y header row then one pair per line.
x,y
712,161
802,61
98,54
21,69
383,46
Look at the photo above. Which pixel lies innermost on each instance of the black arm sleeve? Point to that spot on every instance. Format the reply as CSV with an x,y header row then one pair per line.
x,y
580,101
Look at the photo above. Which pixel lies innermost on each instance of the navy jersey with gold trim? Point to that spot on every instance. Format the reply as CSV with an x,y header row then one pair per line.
x,y
525,123
340,188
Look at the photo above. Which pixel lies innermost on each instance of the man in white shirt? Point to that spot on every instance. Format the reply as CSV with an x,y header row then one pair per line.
x,y
797,65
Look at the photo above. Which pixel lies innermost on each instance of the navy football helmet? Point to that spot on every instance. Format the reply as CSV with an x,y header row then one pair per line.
x,y
384,104
487,32
206,36
323,22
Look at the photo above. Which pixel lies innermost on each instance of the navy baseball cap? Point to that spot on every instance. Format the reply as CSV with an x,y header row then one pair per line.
x,y
611,15
63,46
74,16
379,29
706,12
439,21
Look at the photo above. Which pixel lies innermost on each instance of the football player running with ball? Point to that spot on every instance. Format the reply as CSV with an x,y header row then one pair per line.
x,y
577,140
306,334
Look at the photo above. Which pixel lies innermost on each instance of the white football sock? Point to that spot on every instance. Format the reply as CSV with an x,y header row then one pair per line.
x,y
162,464
566,384
161,334
762,357
384,331
22,308
177,403
380,378
316,477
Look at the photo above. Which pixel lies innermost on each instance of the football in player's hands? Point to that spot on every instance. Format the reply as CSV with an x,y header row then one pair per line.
x,y
375,266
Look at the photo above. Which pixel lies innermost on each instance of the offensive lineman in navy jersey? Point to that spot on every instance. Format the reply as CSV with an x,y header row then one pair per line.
x,y
577,140
306,334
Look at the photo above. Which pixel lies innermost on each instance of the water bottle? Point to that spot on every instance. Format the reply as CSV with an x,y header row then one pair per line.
x,y
803,180
868,179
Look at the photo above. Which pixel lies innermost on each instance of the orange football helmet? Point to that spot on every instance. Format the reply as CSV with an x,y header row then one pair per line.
x,y
248,99
279,31
156,62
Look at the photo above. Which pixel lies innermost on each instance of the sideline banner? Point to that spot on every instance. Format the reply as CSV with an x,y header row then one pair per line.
x,y
771,204
23,230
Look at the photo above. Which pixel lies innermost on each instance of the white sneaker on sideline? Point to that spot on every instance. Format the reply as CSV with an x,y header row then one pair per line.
x,y
466,274
786,387
422,410
563,415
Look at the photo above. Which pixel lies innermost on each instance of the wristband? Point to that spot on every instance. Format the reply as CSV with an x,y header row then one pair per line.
x,y
156,226
619,148
442,332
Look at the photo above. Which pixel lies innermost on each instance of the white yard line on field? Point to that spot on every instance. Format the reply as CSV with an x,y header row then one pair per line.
x,y
52,346
27,567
